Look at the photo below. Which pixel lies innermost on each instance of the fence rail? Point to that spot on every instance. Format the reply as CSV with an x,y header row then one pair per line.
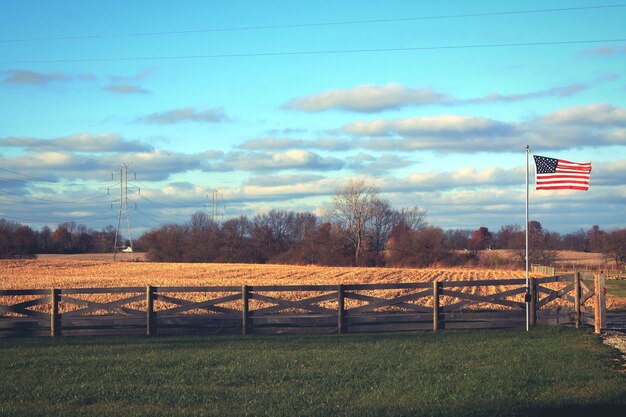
x,y
270,309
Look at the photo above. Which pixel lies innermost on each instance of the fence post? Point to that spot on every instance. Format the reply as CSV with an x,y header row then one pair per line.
x,y
435,306
533,301
340,309
244,309
55,329
150,324
577,299
599,302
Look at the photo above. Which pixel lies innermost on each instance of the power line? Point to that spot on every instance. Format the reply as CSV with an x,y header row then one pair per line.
x,y
27,176
57,221
314,24
320,52
53,201
161,194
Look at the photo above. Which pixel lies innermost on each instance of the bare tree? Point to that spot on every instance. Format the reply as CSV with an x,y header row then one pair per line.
x,y
352,208
414,217
384,219
614,246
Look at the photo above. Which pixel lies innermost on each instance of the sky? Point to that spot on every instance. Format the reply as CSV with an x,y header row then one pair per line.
x,y
276,104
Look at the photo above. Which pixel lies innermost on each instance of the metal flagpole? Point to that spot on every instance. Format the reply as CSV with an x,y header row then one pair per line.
x,y
527,298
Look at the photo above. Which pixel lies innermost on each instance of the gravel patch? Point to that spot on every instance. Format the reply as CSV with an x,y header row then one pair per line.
x,y
616,340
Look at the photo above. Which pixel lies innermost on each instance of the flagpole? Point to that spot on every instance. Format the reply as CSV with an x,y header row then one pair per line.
x,y
527,298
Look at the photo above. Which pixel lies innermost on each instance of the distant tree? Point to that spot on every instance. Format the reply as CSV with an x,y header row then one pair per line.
x,y
508,236
595,236
414,217
457,239
416,248
62,238
481,239
236,241
44,240
165,244
614,246
384,219
539,246
16,240
576,241
203,239
351,209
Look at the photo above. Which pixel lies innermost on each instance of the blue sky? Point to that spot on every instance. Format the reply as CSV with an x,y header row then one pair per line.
x,y
276,104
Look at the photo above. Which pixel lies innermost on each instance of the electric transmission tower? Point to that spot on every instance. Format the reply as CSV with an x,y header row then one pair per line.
x,y
217,204
123,210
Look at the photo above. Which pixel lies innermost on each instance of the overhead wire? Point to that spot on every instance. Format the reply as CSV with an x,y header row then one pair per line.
x,y
54,201
318,52
144,186
313,24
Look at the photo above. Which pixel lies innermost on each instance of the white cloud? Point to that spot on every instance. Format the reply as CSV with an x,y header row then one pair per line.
x,y
186,114
377,98
270,161
444,125
562,91
593,125
125,89
82,142
596,114
367,99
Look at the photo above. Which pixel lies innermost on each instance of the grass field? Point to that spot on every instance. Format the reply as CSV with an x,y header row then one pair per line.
x,y
549,371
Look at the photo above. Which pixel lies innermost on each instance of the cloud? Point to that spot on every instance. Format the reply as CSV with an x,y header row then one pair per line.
x,y
272,143
128,84
125,89
367,99
607,51
562,91
595,125
26,77
597,114
186,114
269,144
282,180
377,165
274,161
440,126
82,142
151,165
377,98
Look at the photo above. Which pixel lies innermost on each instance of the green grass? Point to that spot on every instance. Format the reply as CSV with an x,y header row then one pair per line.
x,y
616,287
455,373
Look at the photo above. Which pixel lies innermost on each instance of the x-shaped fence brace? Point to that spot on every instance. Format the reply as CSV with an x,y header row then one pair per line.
x,y
187,305
378,302
115,306
473,299
280,304
23,308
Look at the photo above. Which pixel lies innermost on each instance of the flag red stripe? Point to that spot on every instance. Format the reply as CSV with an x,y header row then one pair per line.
x,y
563,188
563,176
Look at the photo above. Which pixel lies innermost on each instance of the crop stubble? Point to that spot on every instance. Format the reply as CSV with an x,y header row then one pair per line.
x,y
38,274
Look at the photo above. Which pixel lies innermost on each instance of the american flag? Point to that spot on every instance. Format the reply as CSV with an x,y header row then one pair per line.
x,y
559,174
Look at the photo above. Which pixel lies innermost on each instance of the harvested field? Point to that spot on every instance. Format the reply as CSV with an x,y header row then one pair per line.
x,y
15,274
59,273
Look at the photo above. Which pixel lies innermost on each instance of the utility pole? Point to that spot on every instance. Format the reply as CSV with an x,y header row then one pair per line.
x,y
123,210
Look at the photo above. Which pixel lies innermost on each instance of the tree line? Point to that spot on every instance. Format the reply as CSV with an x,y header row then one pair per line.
x,y
356,228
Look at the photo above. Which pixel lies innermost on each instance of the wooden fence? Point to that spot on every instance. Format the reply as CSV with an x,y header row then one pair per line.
x,y
353,308
543,269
